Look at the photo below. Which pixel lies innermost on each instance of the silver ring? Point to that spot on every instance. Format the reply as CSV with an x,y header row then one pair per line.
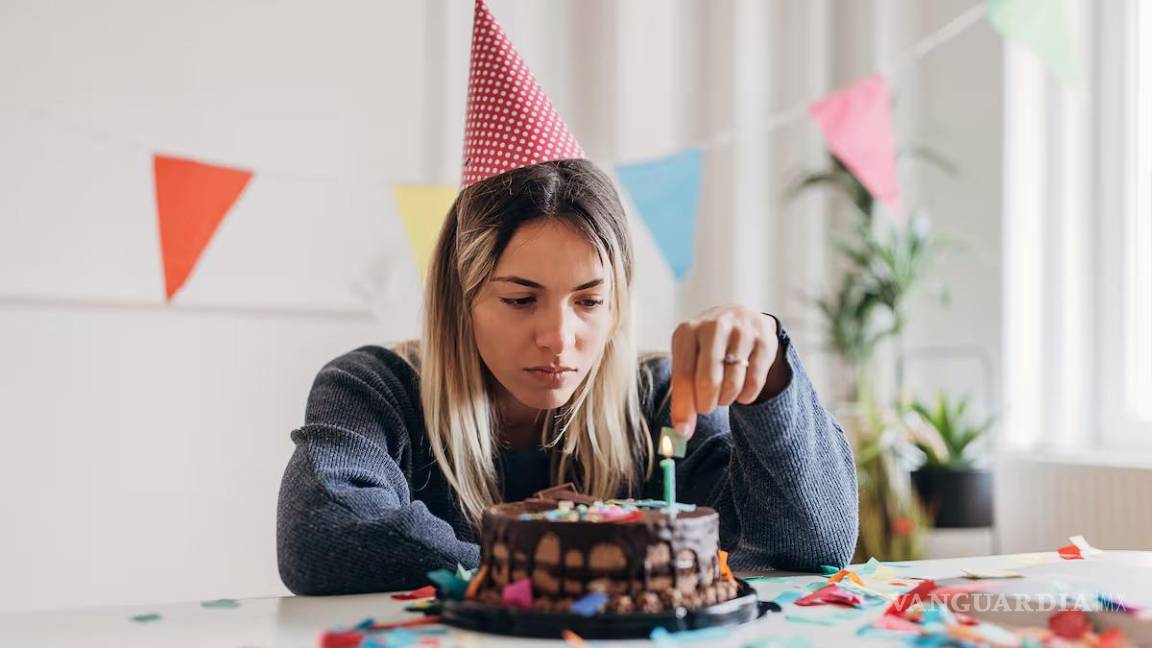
x,y
733,359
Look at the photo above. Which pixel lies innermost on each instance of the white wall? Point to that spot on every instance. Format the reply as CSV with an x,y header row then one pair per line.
x,y
143,443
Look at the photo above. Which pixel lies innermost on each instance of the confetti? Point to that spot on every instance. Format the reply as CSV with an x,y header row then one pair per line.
x,y
1069,624
518,594
574,639
844,573
448,584
590,604
428,591
829,595
1085,549
337,639
146,618
1070,552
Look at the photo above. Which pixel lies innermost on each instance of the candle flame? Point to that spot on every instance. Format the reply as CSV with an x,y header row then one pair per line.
x,y
666,445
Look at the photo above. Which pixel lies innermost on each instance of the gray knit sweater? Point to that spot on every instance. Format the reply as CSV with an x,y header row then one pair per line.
x,y
364,507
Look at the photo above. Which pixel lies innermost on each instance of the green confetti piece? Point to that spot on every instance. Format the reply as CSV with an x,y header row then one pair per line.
x,y
220,604
679,443
828,570
146,618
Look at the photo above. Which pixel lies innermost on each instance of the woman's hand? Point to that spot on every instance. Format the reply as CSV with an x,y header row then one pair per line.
x,y
724,355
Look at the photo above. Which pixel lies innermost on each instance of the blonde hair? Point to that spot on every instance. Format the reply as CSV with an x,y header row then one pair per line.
x,y
600,438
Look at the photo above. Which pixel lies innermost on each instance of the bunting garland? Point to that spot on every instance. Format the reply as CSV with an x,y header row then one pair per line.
x,y
193,198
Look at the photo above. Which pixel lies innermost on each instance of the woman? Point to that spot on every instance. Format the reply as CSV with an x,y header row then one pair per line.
x,y
527,377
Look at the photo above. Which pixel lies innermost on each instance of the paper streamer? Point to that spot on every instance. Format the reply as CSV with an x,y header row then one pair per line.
x,y
666,193
423,209
192,198
857,125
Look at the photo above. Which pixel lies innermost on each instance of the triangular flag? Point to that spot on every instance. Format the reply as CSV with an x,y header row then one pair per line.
x,y
666,192
192,199
1041,26
423,208
857,124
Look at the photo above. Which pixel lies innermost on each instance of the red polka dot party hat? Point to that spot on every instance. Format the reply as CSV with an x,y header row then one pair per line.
x,y
509,123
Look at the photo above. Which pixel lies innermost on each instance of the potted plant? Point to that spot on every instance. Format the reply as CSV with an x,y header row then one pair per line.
x,y
955,491
882,264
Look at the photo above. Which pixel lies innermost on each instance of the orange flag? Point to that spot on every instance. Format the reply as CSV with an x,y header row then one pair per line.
x,y
191,200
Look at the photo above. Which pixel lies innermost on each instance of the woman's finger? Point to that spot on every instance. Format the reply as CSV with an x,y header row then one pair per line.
x,y
741,343
711,340
759,363
683,412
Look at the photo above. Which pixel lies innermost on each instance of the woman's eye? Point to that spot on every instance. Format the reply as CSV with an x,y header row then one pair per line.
x,y
517,302
592,303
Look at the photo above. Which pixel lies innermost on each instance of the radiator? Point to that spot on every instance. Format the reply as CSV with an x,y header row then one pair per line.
x,y
1041,502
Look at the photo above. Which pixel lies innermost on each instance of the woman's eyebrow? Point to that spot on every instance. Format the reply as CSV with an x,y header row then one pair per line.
x,y
532,284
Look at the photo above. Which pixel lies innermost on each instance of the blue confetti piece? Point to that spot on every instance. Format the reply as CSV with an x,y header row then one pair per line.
x,y
784,598
366,624
589,604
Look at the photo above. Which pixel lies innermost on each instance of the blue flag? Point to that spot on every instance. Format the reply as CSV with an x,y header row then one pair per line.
x,y
666,192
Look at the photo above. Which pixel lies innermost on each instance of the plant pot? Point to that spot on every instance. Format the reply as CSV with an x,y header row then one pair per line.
x,y
955,498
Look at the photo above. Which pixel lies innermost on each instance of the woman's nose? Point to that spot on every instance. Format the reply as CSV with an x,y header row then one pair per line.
x,y
556,330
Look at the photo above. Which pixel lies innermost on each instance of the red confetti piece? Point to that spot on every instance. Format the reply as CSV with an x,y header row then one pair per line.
x,y
428,591
341,639
1070,552
1070,624
914,595
830,595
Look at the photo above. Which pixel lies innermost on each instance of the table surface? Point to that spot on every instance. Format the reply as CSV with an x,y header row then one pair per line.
x,y
297,622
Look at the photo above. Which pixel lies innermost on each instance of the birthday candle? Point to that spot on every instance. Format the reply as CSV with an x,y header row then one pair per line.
x,y
669,466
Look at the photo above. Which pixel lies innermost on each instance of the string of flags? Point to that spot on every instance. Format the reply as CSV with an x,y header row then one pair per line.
x,y
193,197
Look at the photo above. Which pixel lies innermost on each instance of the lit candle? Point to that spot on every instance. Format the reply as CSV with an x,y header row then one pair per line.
x,y
669,466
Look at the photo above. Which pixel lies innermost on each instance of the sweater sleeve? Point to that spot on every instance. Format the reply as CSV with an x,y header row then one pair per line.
x,y
346,521
780,473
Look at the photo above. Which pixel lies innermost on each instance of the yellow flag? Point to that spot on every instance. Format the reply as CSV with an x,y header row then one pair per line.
x,y
423,208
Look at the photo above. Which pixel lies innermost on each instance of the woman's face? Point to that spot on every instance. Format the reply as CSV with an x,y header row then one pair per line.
x,y
543,318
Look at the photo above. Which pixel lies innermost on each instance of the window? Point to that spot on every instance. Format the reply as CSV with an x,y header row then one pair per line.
x,y
1078,241
1126,366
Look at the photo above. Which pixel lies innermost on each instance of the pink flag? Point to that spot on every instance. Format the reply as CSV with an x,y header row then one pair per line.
x,y
857,124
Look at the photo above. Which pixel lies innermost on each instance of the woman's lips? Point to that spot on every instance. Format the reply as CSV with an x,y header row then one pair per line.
x,y
551,377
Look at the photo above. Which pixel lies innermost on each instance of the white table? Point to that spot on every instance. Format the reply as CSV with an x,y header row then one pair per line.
x,y
297,622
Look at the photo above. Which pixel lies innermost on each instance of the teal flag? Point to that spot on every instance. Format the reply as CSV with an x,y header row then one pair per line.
x,y
1041,26
666,192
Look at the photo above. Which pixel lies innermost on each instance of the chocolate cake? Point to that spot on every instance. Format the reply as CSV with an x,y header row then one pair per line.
x,y
631,555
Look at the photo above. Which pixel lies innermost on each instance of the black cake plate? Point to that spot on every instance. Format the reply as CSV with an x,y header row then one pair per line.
x,y
480,617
